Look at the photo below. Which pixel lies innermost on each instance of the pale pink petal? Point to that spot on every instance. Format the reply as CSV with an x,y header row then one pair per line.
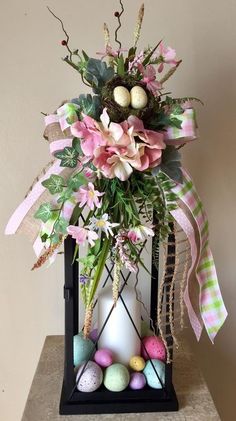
x,y
160,68
91,237
169,54
136,123
105,119
116,131
78,233
123,170
150,72
77,129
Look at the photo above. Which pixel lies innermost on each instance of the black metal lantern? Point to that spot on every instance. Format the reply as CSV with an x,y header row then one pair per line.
x,y
102,400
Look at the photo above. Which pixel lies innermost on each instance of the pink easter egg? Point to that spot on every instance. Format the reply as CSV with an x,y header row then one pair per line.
x,y
103,357
153,347
137,381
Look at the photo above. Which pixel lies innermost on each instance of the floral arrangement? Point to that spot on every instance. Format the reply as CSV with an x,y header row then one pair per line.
x,y
116,163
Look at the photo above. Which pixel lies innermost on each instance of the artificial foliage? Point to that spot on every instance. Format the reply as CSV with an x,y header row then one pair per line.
x,y
119,162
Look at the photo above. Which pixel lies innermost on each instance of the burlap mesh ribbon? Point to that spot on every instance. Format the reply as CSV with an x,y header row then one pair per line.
x,y
194,281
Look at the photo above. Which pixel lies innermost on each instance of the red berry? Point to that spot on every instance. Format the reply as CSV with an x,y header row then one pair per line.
x,y
63,42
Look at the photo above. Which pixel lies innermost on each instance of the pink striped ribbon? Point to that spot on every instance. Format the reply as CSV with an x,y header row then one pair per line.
x,y
211,305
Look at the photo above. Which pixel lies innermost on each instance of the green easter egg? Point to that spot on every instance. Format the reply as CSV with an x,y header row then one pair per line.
x,y
83,349
150,374
116,377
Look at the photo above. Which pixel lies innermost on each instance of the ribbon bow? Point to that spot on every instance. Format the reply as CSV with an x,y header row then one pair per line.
x,y
208,307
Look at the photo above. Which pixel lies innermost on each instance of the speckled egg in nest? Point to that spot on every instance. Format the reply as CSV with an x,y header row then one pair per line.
x,y
118,113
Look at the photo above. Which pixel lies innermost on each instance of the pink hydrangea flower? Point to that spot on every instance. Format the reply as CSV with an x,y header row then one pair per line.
x,y
115,133
151,137
114,150
89,196
81,235
122,154
117,161
150,156
89,131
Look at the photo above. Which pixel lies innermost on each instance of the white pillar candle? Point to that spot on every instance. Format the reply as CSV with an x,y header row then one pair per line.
x,y
119,334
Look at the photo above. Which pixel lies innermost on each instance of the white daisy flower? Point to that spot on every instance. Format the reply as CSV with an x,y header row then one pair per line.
x,y
102,224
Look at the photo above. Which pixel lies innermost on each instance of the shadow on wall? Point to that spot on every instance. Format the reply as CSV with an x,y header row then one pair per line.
x,y
211,161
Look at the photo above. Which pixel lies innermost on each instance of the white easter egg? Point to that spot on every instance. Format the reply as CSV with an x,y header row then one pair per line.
x,y
139,98
121,96
91,379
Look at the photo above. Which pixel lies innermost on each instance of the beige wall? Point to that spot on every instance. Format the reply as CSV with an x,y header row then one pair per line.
x,y
33,79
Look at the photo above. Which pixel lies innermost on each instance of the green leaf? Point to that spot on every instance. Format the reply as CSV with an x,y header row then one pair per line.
x,y
171,163
95,249
177,109
159,121
44,212
66,195
132,51
105,248
88,261
176,122
61,225
76,145
44,237
76,214
146,60
121,66
98,73
68,157
54,184
90,105
86,57
77,180
55,238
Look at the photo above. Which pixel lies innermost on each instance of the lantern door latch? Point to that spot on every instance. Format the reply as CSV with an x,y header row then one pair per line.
x,y
68,293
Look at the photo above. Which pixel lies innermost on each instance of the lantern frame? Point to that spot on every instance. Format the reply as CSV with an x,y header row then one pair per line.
x,y
103,401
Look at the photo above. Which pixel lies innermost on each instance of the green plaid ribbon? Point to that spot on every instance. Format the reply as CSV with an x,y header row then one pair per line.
x,y
211,305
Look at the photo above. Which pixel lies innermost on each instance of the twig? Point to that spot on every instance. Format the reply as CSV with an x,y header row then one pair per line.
x,y
118,15
65,32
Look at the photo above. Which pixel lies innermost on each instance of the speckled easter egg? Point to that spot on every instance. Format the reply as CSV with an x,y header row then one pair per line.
x,y
116,377
91,379
83,348
121,96
137,363
139,97
151,376
93,335
103,357
137,381
153,347
145,329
